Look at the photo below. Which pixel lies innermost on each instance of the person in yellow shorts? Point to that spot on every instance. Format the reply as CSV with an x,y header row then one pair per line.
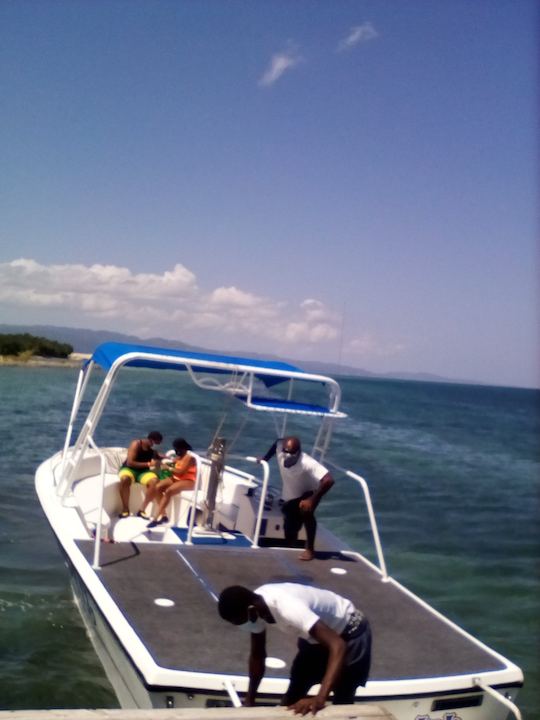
x,y
141,466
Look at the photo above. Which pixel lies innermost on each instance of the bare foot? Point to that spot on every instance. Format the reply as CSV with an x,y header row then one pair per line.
x,y
307,555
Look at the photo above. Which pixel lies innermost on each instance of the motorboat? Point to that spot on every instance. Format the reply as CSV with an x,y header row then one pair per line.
x,y
148,595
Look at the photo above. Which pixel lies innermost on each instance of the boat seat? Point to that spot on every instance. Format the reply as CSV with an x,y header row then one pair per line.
x,y
227,498
86,494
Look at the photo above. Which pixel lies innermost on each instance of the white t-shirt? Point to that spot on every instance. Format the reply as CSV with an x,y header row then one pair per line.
x,y
296,608
303,476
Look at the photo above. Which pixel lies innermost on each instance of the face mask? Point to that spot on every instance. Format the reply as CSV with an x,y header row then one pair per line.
x,y
291,460
256,626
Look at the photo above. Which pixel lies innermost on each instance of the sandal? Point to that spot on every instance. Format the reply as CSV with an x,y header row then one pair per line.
x,y
124,514
143,515
158,521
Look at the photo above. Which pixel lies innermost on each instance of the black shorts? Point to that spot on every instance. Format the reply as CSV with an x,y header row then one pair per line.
x,y
309,667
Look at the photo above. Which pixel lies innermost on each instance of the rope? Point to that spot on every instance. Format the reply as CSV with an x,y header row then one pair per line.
x,y
237,435
226,406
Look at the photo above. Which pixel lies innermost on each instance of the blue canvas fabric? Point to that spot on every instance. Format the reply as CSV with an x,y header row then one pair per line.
x,y
107,353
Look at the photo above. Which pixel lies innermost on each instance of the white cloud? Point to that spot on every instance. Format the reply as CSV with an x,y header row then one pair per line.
x,y
99,290
306,332
233,297
279,64
357,34
315,309
109,280
316,324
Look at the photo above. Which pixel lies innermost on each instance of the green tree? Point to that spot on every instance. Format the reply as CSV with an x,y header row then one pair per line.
x,y
16,344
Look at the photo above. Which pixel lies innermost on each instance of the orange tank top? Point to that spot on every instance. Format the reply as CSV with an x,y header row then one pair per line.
x,y
190,473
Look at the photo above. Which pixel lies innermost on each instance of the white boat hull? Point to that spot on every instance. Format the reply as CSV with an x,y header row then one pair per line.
x,y
133,691
424,667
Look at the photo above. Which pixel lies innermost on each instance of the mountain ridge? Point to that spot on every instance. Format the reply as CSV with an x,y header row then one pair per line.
x,y
84,341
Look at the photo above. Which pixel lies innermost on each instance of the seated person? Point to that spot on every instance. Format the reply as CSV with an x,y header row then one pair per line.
x,y
140,466
171,482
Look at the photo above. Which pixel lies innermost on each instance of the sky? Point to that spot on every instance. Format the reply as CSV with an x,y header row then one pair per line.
x,y
350,181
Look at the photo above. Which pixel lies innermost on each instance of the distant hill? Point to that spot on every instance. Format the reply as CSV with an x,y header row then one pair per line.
x,y
85,341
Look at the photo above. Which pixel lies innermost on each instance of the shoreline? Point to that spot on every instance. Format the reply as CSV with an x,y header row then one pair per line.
x,y
75,360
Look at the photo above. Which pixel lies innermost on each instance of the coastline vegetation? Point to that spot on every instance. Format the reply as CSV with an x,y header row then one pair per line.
x,y
24,346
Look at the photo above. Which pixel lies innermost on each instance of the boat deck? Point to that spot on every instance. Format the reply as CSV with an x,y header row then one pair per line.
x,y
409,641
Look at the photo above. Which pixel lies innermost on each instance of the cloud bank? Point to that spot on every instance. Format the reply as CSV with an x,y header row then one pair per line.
x,y
170,304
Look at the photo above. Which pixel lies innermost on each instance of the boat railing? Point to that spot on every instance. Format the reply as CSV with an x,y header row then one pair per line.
x,y
198,489
371,514
64,470
231,690
103,468
195,498
477,682
264,488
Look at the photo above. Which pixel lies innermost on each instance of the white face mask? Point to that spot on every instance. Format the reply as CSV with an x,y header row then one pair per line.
x,y
291,459
256,626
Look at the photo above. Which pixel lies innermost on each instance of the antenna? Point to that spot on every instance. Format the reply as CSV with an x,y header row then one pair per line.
x,y
341,334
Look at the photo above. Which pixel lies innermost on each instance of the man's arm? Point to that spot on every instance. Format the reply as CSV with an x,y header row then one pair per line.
x,y
270,452
311,502
336,657
257,659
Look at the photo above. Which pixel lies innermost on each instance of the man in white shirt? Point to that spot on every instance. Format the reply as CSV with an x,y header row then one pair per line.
x,y
334,640
305,481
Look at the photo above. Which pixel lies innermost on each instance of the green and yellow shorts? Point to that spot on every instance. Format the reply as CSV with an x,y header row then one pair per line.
x,y
142,477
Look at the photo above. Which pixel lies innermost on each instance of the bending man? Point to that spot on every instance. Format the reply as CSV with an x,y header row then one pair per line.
x,y
305,481
334,646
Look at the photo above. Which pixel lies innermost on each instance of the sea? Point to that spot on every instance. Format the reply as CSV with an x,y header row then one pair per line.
x,y
453,471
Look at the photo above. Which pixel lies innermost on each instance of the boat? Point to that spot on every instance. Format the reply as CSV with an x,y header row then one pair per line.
x,y
148,596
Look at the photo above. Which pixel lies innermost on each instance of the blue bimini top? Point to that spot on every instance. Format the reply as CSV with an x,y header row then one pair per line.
x,y
106,354
269,372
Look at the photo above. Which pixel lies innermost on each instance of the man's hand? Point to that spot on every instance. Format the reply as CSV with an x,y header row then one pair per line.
x,y
306,705
307,505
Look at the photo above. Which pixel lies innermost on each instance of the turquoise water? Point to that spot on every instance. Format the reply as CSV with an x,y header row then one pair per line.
x,y
453,470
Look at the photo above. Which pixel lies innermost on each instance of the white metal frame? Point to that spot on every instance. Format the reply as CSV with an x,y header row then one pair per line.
x,y
196,490
242,383
237,379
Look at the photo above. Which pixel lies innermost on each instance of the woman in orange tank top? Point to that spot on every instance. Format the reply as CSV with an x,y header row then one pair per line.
x,y
183,477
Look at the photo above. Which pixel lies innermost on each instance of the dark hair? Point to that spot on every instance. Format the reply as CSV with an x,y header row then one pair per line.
x,y
234,601
156,436
180,445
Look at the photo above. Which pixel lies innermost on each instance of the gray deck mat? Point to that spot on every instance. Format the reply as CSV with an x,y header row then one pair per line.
x,y
408,640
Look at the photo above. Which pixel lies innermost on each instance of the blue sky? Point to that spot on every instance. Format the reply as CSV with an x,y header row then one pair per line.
x,y
345,181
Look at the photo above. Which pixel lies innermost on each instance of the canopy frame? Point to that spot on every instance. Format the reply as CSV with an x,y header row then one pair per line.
x,y
230,375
